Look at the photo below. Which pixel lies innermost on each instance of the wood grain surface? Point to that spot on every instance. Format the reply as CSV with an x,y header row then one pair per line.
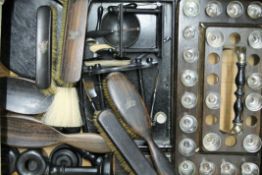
x,y
22,131
74,40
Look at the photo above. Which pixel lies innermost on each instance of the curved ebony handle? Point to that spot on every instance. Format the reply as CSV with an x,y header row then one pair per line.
x,y
240,83
161,163
100,11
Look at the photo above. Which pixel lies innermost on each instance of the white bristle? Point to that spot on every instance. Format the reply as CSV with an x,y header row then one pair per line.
x,y
64,110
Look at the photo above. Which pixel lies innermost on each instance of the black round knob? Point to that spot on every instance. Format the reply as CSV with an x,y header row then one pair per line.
x,y
89,156
149,60
98,66
90,68
99,160
9,156
138,60
66,156
107,166
31,163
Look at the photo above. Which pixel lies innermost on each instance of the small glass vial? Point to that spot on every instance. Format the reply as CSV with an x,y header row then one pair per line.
x,y
207,168
187,147
190,55
254,81
188,124
212,101
254,102
189,32
255,39
212,141
249,168
215,39
235,9
254,10
188,100
227,168
187,167
191,8
189,78
214,8
252,143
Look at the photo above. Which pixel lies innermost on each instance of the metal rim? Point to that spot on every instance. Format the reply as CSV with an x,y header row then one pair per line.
x,y
109,16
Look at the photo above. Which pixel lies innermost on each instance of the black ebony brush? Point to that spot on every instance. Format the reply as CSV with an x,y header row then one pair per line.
x,y
125,149
131,111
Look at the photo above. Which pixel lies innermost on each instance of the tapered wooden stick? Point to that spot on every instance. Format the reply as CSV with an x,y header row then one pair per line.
x,y
21,131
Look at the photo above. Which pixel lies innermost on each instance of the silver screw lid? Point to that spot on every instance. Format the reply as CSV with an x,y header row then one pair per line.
x,y
254,102
160,117
189,100
214,8
187,147
187,167
213,101
255,39
215,39
249,168
235,9
207,168
191,8
189,78
227,168
189,32
188,124
190,55
252,143
212,141
254,81
254,10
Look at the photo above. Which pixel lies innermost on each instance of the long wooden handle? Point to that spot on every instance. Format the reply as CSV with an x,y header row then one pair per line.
x,y
23,131
91,142
74,40
43,47
160,161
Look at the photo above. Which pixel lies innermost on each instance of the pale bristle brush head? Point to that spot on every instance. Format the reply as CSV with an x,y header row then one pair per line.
x,y
64,110
125,102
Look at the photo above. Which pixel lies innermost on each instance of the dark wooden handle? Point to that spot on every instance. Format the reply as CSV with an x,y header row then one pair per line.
x,y
23,131
87,141
43,47
108,124
74,40
161,163
240,83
